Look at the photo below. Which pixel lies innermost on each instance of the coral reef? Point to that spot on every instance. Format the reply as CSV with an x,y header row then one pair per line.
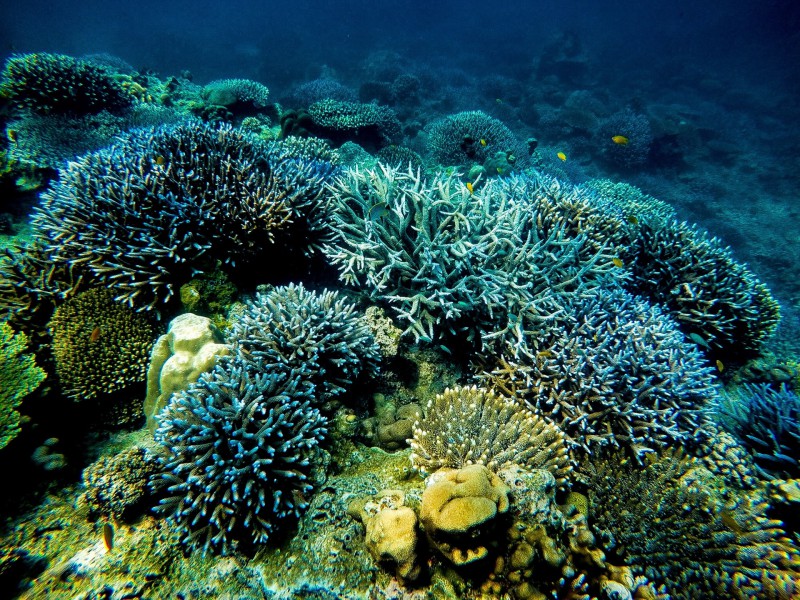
x,y
100,345
233,92
468,425
55,83
766,421
392,426
453,262
468,138
319,336
144,214
399,156
670,521
117,486
371,125
190,347
386,334
635,128
19,376
609,368
637,206
321,89
254,436
711,295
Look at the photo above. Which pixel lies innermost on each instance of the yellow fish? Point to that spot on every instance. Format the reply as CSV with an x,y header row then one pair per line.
x,y
12,135
720,366
620,139
617,262
483,142
633,220
108,536
470,187
562,156
160,160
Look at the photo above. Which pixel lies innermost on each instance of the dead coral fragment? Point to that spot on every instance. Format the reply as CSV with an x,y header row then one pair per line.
x,y
470,425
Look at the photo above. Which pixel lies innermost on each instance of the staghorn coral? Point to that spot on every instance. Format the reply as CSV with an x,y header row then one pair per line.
x,y
637,206
469,425
710,294
368,124
609,368
55,83
670,521
146,213
239,454
766,421
117,486
318,335
456,139
100,345
450,262
19,376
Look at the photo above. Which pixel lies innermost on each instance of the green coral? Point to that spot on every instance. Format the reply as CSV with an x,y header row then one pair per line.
x,y
19,376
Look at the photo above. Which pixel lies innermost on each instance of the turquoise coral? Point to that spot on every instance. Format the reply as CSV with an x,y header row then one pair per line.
x,y
19,376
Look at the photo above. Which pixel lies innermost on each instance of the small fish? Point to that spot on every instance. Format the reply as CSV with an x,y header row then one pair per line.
x,y
470,187
720,366
562,156
498,100
620,140
617,262
730,522
12,135
633,219
108,536
377,212
698,339
95,335
547,353
483,142
499,170
160,160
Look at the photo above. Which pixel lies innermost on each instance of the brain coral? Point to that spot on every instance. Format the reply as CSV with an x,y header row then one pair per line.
x,y
146,213
675,523
54,83
710,294
99,345
468,425
240,449
610,368
318,335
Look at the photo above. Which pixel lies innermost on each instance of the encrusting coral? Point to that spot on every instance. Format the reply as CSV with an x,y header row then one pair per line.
x,y
470,425
100,345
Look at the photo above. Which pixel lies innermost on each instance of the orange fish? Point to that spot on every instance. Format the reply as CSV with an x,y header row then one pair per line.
x,y
470,187
620,139
562,156
95,335
108,536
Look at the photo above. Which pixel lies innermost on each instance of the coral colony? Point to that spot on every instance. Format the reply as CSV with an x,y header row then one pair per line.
x,y
553,359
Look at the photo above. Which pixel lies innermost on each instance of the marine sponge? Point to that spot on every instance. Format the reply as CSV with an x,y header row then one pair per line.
x,y
469,425
55,83
100,346
673,521
766,421
19,376
710,294
318,335
470,137
609,368
240,452
145,214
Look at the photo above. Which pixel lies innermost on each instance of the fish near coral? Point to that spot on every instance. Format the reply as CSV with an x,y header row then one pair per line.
x,y
471,188
562,156
620,140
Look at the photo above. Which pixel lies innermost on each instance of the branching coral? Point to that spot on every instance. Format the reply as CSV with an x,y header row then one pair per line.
x,y
55,83
766,420
451,262
609,368
632,126
710,294
671,521
100,346
240,449
369,124
467,426
144,214
470,137
320,336
19,376
228,92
